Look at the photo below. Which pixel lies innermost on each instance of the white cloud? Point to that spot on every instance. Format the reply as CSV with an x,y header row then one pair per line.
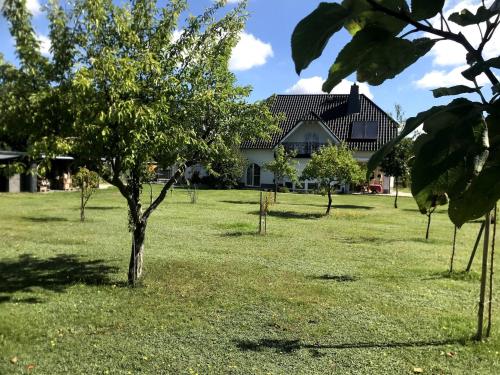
x,y
442,78
34,7
447,53
249,53
313,86
45,44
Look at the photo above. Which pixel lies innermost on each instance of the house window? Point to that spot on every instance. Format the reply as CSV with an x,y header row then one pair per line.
x,y
253,175
364,130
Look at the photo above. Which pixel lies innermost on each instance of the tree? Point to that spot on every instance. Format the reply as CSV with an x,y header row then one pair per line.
x,y
330,166
226,169
458,155
88,182
137,93
396,163
282,167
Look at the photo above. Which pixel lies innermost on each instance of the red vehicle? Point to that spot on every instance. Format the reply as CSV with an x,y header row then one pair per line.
x,y
375,188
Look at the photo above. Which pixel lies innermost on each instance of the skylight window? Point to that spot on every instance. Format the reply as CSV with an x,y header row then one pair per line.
x,y
364,130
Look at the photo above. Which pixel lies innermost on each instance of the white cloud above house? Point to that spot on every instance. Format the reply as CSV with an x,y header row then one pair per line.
x,y
45,44
442,78
250,52
314,85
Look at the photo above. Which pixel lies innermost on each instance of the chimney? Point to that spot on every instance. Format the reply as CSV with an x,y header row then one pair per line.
x,y
353,102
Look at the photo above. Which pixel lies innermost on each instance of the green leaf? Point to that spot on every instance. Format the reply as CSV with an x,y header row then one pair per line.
x,y
454,90
484,190
377,56
411,125
363,16
450,154
424,9
466,18
311,35
479,68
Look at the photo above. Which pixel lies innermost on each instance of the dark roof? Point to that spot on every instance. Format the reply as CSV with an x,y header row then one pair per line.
x,y
331,109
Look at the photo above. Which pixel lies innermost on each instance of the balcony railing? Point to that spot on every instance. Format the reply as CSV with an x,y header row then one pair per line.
x,y
303,148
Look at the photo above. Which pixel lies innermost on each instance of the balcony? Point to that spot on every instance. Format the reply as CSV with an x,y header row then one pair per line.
x,y
303,149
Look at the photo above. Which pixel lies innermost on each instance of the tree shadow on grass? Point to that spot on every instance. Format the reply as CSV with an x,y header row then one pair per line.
x,y
240,234
55,274
290,346
337,278
44,219
456,275
292,214
240,202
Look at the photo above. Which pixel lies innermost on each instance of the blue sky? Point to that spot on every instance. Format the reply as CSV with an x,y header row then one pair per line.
x,y
262,59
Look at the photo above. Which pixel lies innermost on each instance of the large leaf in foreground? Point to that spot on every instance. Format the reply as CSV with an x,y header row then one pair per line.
x,y
411,125
466,18
377,56
363,15
484,190
423,9
480,67
450,153
311,35
454,90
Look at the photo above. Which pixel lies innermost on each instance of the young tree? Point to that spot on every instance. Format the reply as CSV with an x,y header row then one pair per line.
x,y
330,166
458,155
88,182
226,170
396,163
282,166
139,94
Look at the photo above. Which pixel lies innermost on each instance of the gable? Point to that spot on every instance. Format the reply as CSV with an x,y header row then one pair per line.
x,y
310,131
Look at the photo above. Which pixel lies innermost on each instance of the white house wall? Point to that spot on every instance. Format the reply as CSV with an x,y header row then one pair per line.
x,y
362,156
259,157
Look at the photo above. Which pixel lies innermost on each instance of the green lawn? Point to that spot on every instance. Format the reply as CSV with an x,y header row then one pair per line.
x,y
359,292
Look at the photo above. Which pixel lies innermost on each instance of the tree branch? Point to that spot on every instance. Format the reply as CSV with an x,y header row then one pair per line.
x,y
458,38
164,192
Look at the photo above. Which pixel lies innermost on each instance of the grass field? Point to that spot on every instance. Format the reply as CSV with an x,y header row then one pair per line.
x,y
359,292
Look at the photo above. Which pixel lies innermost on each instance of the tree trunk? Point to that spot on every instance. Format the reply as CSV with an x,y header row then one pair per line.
x,y
453,250
275,189
82,205
473,254
492,262
484,274
135,267
428,226
329,201
261,210
397,193
150,193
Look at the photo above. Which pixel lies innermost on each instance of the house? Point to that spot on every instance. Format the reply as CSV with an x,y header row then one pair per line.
x,y
312,121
